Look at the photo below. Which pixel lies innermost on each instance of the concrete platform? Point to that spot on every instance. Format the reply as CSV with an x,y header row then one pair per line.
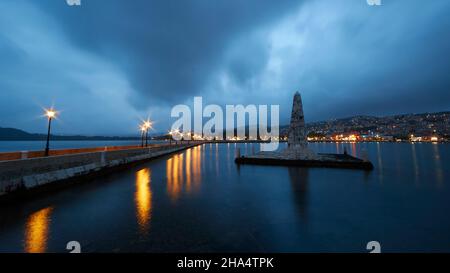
x,y
344,161
27,175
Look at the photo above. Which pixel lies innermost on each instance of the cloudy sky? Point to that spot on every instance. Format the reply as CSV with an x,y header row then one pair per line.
x,y
107,64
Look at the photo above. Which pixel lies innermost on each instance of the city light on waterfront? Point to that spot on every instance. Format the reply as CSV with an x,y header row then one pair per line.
x,y
354,137
174,134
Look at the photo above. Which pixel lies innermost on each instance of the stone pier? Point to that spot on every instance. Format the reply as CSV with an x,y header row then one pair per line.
x,y
22,175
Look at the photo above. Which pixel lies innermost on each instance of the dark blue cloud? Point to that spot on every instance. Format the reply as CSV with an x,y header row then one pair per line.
x,y
168,48
121,60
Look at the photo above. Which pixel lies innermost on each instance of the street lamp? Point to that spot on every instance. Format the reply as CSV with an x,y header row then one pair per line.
x,y
177,132
147,125
143,129
50,114
171,136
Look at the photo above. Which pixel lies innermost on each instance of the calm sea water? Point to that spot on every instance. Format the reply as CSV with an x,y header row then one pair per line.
x,y
13,146
200,201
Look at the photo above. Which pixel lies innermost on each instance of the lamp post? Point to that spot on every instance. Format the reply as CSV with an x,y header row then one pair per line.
x,y
50,113
147,125
143,129
170,138
177,132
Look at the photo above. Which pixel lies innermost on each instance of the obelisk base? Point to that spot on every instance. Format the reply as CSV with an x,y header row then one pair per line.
x,y
299,152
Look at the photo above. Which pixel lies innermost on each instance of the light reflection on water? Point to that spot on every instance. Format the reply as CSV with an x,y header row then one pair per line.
x,y
183,172
143,198
415,164
174,179
37,231
438,166
200,200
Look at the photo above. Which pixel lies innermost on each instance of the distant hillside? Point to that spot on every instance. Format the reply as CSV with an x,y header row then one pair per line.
x,y
16,134
11,133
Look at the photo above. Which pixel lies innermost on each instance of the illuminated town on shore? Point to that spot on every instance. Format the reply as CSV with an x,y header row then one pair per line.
x,y
401,128
422,127
411,127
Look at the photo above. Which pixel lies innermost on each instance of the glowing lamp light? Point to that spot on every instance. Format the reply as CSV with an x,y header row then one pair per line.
x,y
50,113
145,126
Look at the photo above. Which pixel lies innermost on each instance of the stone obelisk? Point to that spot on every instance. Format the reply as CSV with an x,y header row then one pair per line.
x,y
297,142
297,134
